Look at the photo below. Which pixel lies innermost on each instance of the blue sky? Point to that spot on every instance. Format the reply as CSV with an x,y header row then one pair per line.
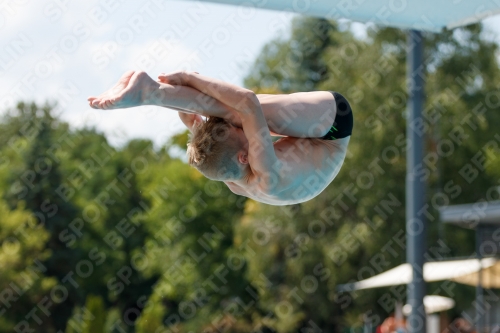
x,y
68,50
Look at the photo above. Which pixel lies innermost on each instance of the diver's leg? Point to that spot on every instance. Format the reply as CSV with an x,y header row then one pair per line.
x,y
303,114
138,88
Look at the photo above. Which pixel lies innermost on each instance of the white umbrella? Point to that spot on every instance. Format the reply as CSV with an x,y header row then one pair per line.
x,y
433,303
462,271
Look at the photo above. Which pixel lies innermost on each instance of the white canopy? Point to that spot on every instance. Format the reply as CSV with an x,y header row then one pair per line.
x,y
462,271
430,15
433,303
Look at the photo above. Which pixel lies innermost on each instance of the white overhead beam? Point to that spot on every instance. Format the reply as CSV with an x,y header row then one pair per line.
x,y
426,15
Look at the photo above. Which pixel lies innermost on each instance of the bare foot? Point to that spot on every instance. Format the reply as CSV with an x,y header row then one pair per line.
x,y
132,89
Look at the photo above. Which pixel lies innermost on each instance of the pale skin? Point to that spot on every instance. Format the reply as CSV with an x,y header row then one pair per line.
x,y
293,169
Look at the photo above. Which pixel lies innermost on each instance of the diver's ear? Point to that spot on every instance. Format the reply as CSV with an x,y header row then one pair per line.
x,y
243,157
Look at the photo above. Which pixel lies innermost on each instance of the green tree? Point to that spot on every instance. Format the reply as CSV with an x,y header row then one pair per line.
x,y
22,254
95,305
295,64
191,243
356,227
34,185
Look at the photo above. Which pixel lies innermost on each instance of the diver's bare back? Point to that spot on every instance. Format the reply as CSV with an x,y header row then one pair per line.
x,y
308,164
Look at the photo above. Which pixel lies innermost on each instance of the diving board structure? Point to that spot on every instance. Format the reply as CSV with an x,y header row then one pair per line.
x,y
416,16
424,15
472,215
484,217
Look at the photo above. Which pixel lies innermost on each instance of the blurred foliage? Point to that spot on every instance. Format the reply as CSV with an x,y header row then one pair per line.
x,y
356,227
96,238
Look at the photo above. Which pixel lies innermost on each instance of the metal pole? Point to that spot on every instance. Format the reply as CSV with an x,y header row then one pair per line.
x,y
415,184
479,288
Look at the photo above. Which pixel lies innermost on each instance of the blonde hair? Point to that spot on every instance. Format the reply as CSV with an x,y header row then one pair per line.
x,y
212,152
